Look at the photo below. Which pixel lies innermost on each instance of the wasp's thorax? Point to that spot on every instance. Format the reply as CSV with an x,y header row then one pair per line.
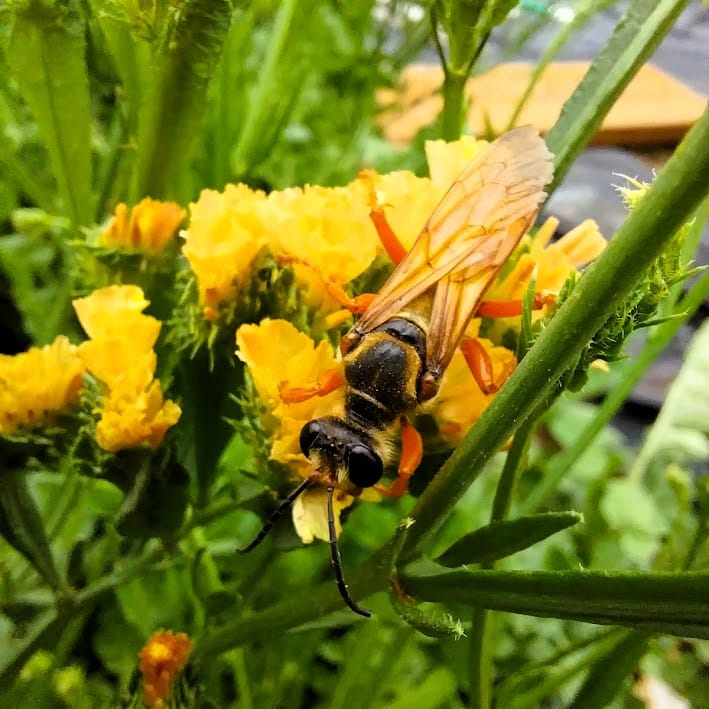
x,y
383,371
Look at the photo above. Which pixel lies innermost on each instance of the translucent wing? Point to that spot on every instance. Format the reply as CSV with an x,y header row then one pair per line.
x,y
466,240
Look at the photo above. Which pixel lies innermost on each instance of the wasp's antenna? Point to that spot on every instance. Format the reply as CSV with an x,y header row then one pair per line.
x,y
337,561
276,514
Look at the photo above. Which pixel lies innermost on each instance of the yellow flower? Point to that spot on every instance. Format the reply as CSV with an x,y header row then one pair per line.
x,y
326,227
148,227
37,384
552,263
133,417
162,658
120,354
221,242
277,353
325,234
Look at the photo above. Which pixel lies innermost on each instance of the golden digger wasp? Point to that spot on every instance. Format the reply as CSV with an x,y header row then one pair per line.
x,y
395,355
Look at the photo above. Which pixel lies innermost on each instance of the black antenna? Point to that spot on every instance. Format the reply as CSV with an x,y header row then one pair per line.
x,y
337,561
276,514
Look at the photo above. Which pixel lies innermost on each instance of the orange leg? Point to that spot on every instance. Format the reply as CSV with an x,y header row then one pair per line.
x,y
389,240
411,454
356,305
329,382
510,308
480,364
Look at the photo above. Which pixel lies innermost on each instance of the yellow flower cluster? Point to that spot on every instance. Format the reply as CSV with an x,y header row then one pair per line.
x,y
37,384
147,227
328,233
325,233
223,237
162,658
120,354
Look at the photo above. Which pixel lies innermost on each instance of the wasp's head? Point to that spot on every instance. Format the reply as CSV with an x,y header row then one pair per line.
x,y
337,449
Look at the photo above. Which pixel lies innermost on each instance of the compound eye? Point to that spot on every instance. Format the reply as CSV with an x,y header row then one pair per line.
x,y
309,434
364,466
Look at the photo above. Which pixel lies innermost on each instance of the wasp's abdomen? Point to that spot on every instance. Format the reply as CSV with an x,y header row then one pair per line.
x,y
383,372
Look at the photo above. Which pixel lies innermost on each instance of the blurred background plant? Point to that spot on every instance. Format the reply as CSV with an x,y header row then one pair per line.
x,y
108,544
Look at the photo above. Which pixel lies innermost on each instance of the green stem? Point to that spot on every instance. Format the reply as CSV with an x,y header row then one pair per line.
x,y
202,518
454,105
560,660
698,540
44,629
68,502
515,461
661,336
481,665
52,623
481,670
243,684
674,195
559,670
609,671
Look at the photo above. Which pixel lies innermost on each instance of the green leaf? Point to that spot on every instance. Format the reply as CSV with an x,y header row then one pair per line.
x,y
681,431
632,513
527,687
44,631
634,40
605,680
34,264
22,527
158,599
268,97
202,439
431,622
175,94
155,502
674,603
46,54
500,539
438,689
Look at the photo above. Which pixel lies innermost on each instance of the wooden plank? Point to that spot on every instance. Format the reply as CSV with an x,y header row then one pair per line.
x,y
654,109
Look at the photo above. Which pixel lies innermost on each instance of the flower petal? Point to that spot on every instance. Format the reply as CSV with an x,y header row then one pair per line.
x,y
310,513
447,160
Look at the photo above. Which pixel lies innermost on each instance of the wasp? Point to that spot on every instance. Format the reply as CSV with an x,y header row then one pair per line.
x,y
395,355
